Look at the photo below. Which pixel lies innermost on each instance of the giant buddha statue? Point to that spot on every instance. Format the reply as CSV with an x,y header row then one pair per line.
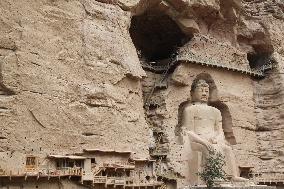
x,y
202,129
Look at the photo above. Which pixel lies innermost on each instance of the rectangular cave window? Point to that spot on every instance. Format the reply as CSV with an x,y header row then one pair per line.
x,y
245,171
127,173
93,160
58,164
69,163
31,162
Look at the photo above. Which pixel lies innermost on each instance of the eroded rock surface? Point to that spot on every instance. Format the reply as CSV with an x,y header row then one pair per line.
x,y
72,78
68,68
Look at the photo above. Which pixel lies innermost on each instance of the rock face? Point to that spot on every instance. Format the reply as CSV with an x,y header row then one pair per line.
x,y
67,69
79,74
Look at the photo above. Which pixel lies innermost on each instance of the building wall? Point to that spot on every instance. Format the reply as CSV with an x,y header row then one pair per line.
x,y
42,185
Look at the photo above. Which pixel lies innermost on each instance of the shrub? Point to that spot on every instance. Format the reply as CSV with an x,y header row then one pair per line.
x,y
213,168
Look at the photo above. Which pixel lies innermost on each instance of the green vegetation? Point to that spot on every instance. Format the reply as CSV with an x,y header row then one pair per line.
x,y
213,168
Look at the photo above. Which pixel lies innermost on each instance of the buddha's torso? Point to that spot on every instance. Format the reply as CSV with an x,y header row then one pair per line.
x,y
204,119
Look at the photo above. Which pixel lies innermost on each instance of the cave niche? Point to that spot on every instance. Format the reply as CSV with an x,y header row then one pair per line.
x,y
156,36
214,101
257,60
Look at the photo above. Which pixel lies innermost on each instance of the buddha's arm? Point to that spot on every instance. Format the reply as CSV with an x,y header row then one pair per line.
x,y
188,128
218,128
196,138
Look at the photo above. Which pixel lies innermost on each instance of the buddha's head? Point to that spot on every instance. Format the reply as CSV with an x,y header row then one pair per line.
x,y
201,91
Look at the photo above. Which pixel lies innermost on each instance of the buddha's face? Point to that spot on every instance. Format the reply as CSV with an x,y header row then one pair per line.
x,y
201,93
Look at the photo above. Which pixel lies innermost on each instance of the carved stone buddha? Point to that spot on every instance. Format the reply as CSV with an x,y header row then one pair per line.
x,y
202,129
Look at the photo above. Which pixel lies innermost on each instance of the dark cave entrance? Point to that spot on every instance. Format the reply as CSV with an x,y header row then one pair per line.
x,y
257,60
157,39
156,36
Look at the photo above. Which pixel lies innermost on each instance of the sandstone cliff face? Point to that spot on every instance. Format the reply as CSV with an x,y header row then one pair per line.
x,y
268,92
71,77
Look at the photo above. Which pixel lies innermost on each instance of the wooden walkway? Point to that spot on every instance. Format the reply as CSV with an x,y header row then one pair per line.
x,y
193,59
210,63
156,69
41,174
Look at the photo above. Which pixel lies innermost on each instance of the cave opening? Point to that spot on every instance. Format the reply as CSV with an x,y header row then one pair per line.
x,y
156,36
257,60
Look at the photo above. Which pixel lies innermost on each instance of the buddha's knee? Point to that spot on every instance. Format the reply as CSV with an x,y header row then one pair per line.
x,y
227,148
200,148
228,151
204,150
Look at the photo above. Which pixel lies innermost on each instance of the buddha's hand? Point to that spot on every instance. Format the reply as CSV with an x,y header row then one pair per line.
x,y
209,146
213,140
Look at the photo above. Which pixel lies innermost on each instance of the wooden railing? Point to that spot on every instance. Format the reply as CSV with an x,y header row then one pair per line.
x,y
123,181
154,68
145,184
100,179
36,172
196,59
257,72
118,165
192,58
267,177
